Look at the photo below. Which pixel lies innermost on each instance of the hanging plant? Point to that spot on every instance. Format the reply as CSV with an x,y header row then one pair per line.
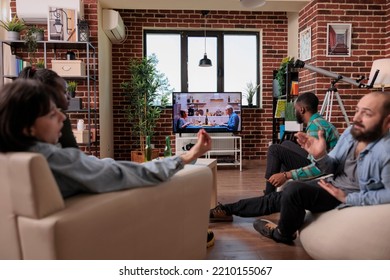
x,y
281,74
33,35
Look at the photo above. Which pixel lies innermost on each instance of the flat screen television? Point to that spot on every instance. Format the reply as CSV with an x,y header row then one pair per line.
x,y
213,111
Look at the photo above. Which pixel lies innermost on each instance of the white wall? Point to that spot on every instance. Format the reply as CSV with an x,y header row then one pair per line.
x,y
292,40
105,91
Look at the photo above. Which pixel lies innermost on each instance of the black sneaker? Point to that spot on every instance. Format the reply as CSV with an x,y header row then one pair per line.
x,y
219,214
270,230
210,238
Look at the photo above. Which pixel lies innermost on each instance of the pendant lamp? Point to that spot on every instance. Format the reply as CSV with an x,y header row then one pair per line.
x,y
205,62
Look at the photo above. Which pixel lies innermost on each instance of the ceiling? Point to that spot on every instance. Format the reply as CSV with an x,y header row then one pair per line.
x,y
227,5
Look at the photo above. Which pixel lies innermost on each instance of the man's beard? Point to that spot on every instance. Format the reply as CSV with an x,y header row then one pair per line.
x,y
299,117
369,135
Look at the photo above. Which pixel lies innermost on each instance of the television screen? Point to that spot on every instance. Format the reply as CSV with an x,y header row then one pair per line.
x,y
213,111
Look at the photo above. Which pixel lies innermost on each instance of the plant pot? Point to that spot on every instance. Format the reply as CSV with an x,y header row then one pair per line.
x,y
37,35
139,156
72,94
13,36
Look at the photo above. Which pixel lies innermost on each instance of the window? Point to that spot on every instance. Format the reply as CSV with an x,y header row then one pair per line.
x,y
235,59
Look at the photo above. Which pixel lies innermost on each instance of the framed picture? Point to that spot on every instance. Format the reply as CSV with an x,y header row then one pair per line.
x,y
305,44
62,24
338,39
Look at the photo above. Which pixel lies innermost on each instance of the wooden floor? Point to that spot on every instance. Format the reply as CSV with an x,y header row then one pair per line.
x,y
239,240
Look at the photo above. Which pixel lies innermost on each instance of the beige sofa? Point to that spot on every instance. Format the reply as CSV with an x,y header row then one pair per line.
x,y
168,221
351,233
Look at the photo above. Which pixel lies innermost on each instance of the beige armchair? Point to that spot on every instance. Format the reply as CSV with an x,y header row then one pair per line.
x,y
167,221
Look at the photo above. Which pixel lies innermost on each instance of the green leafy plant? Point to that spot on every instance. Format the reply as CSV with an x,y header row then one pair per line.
x,y
147,93
250,91
281,74
14,24
40,64
32,36
71,87
35,31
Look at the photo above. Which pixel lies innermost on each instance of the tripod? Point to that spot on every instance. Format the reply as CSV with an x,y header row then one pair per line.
x,y
328,102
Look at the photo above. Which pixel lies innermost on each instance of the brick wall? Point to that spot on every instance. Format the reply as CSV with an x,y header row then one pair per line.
x,y
387,36
257,123
90,11
370,41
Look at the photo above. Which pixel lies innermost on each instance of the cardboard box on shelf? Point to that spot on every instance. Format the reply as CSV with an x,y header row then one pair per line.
x,y
68,68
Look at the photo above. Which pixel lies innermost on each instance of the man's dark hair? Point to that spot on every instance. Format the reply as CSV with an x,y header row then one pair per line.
x,y
50,78
308,100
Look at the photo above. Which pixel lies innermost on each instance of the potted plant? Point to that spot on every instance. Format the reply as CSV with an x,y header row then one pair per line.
x,y
40,64
71,87
290,119
147,93
33,35
14,27
281,74
35,32
249,92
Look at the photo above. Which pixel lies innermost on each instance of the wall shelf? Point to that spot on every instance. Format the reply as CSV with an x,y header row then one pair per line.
x,y
291,76
86,53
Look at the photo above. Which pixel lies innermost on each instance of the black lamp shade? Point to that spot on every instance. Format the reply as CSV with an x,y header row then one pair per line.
x,y
205,62
83,31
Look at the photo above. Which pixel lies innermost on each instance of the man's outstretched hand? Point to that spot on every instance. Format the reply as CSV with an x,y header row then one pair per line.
x,y
202,146
315,147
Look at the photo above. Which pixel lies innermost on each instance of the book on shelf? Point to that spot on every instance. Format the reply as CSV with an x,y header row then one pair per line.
x,y
280,108
13,65
20,64
294,88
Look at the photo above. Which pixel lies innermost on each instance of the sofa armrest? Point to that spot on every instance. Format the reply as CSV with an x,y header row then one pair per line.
x,y
34,192
167,221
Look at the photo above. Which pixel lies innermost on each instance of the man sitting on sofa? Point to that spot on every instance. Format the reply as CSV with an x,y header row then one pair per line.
x,y
360,163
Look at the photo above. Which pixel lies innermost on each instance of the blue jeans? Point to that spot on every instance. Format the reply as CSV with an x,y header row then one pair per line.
x,y
283,157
